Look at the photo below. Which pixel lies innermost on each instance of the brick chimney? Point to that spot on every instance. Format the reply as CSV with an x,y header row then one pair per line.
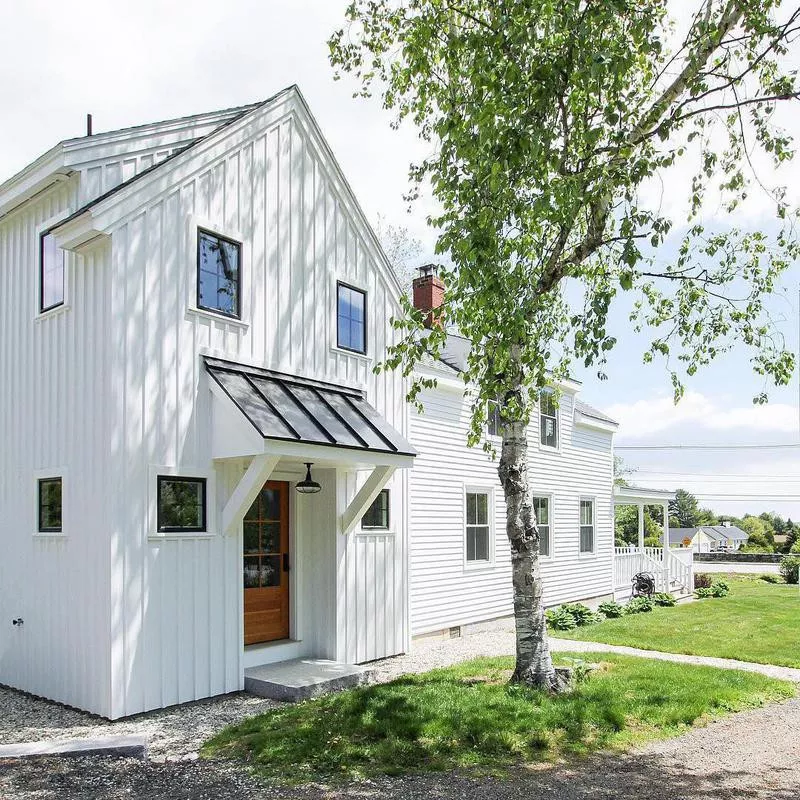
x,y
429,294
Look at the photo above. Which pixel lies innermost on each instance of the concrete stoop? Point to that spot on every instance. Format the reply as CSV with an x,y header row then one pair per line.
x,y
303,678
123,746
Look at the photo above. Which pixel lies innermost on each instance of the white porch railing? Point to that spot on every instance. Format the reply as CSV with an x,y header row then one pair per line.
x,y
673,574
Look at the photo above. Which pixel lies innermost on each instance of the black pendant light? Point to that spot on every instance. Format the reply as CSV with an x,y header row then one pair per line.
x,y
308,485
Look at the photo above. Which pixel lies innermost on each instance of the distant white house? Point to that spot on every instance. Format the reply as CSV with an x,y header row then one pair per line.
x,y
201,472
708,538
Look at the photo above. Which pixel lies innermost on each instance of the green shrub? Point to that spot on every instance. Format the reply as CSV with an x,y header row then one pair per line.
x,y
704,591
770,578
611,609
702,580
663,599
639,605
560,620
719,589
583,615
790,568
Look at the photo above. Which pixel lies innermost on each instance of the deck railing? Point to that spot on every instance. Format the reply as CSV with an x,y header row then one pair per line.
x,y
675,573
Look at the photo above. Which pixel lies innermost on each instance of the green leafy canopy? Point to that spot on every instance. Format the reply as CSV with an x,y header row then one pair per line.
x,y
547,120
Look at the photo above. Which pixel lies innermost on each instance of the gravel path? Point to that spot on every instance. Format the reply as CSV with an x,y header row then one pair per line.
x,y
749,755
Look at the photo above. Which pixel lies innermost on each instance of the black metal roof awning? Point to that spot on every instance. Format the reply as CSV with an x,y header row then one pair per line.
x,y
292,409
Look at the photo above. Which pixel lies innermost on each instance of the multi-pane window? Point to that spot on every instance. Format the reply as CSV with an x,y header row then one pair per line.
x,y
548,420
264,545
494,422
587,526
50,505
218,274
181,504
377,516
351,318
541,507
477,527
51,273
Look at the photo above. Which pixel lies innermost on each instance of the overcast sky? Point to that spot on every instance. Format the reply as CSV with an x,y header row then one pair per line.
x,y
133,62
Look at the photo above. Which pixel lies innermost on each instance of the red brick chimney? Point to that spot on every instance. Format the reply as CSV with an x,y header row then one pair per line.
x,y
429,294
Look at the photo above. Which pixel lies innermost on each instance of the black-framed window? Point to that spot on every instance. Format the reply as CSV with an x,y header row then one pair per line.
x,y
377,515
587,525
477,527
50,505
219,271
181,504
351,318
494,422
548,420
541,507
51,273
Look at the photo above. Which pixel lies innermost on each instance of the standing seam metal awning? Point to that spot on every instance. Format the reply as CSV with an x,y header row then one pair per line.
x,y
293,409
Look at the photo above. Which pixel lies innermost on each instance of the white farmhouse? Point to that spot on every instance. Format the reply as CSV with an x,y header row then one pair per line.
x,y
201,474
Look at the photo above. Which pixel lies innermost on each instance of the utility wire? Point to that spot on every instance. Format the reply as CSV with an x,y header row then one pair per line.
x,y
708,446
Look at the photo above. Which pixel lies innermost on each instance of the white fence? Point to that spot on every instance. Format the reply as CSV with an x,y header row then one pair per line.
x,y
672,574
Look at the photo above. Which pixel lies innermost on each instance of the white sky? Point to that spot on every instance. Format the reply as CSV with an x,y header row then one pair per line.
x,y
133,62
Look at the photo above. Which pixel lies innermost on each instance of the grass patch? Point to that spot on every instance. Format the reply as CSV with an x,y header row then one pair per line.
x,y
468,717
757,622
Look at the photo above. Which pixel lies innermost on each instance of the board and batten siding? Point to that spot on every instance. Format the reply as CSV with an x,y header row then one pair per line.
x,y
273,188
447,593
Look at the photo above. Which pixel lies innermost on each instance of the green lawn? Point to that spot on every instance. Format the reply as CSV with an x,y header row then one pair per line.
x,y
469,717
757,621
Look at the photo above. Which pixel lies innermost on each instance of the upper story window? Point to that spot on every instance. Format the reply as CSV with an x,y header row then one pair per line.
x,y
219,274
50,505
51,273
377,515
548,420
181,504
541,507
494,421
351,318
477,528
587,526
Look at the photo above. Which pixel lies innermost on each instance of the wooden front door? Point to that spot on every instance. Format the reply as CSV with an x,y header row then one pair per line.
x,y
266,565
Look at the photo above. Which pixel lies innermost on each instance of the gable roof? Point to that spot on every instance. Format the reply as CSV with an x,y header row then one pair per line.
x,y
677,535
722,532
591,411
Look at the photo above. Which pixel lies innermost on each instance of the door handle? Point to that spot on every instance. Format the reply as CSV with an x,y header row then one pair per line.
x,y
285,562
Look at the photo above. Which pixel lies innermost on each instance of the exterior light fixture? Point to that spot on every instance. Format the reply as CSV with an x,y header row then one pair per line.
x,y
308,485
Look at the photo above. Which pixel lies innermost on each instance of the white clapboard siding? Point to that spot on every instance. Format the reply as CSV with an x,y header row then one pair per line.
x,y
445,593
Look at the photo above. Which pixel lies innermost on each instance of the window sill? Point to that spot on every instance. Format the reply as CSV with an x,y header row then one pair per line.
x,y
588,555
479,566
51,312
167,535
52,535
342,351
549,449
375,532
220,318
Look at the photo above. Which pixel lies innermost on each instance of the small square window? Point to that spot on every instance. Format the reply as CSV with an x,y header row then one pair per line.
x,y
541,507
351,318
181,504
494,420
218,274
477,531
377,516
50,505
51,273
548,420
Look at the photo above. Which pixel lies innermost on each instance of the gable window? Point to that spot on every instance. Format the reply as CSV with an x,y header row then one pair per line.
x,y
494,422
477,527
377,516
218,274
51,273
50,505
548,420
587,526
541,507
351,318
181,504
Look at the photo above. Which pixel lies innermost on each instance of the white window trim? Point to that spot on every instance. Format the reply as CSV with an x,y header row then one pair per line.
x,y
551,506
186,471
546,447
593,552
43,474
194,222
337,279
477,566
38,314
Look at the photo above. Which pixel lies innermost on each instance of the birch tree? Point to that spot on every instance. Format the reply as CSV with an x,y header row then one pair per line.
x,y
550,124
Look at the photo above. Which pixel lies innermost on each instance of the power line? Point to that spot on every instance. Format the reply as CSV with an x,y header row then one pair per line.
x,y
714,474
707,446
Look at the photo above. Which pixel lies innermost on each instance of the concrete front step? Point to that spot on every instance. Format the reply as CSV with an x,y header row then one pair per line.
x,y
124,746
303,678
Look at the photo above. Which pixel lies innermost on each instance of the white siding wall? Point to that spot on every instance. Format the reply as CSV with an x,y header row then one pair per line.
x,y
300,235
54,417
444,592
